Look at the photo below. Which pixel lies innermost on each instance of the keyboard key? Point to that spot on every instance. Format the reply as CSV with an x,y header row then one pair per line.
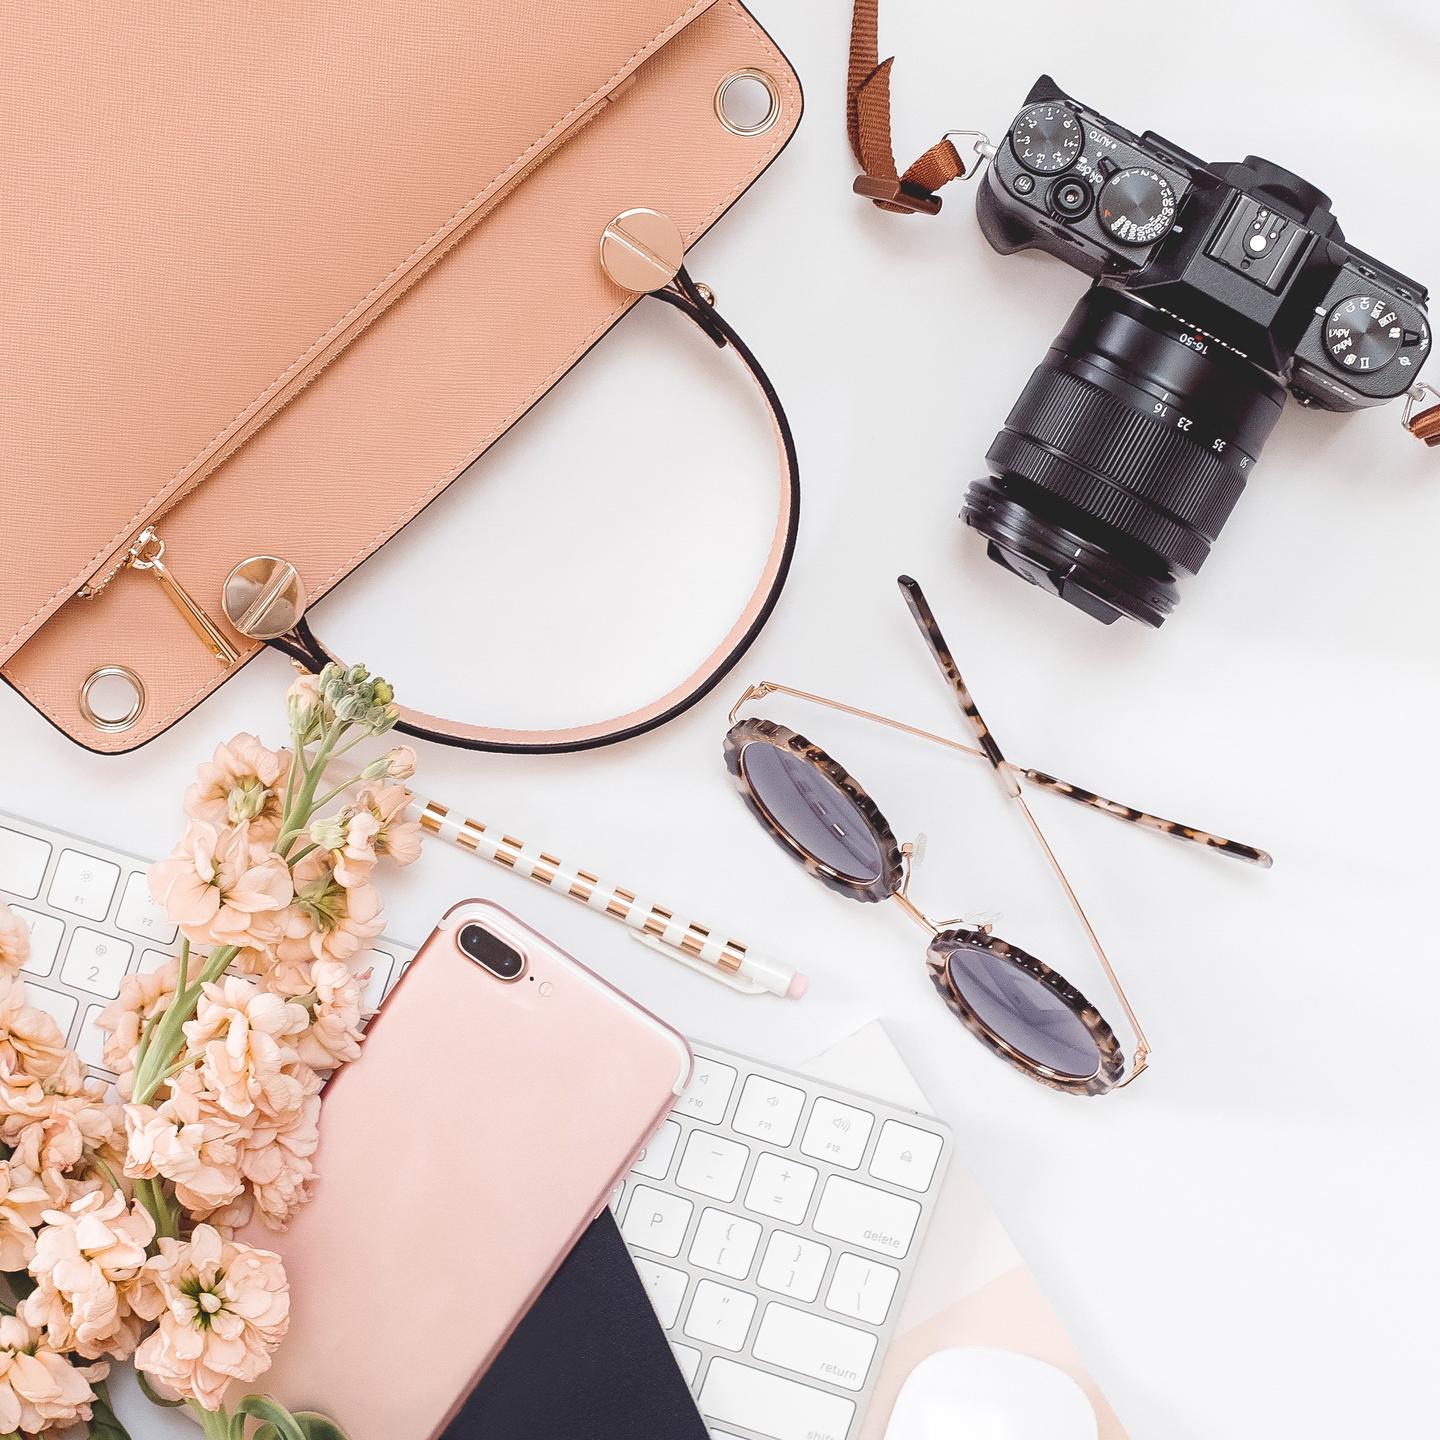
x,y
708,1094
688,1359
657,1221
905,1155
793,1266
781,1188
655,1158
140,915
381,966
772,1406
53,1003
837,1133
666,1288
862,1288
83,885
862,1215
46,933
96,962
90,1043
719,1315
724,1243
814,1346
152,960
23,859
768,1110
712,1165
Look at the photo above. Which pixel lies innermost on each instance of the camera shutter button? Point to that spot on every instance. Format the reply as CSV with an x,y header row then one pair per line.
x,y
1071,198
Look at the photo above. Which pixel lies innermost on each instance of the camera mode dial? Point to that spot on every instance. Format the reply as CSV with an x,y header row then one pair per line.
x,y
1363,332
1047,139
1137,206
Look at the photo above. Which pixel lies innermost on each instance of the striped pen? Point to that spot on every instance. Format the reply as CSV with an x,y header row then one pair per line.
x,y
721,958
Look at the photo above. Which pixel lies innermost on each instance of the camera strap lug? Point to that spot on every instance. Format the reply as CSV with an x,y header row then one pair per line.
x,y
868,121
1423,424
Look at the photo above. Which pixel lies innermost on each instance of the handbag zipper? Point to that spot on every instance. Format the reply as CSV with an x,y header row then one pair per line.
x,y
147,555
123,559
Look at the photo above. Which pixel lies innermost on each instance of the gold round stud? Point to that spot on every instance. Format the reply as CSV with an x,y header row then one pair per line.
x,y
263,597
642,250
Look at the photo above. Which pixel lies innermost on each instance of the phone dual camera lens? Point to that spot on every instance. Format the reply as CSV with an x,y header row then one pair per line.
x,y
488,950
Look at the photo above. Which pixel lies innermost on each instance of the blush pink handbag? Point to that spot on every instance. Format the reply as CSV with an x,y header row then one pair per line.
x,y
256,250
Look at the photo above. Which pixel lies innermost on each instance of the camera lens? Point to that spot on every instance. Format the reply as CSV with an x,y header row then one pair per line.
x,y
1123,458
487,949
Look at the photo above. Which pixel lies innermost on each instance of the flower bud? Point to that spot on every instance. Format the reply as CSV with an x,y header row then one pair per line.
x,y
329,833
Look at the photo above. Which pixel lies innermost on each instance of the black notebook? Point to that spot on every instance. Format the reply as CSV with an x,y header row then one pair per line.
x,y
588,1362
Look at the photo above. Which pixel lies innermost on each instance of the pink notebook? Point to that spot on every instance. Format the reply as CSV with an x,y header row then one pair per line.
x,y
972,1287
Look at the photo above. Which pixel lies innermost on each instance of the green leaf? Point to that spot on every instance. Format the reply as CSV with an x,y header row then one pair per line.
x,y
278,1420
104,1423
153,1395
312,1427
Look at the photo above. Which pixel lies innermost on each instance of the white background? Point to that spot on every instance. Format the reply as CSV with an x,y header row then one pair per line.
x,y
1243,1243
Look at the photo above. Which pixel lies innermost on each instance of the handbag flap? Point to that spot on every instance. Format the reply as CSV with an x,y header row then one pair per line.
x,y
240,188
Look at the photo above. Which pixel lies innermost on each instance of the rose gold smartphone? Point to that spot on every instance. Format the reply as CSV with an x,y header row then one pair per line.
x,y
503,1092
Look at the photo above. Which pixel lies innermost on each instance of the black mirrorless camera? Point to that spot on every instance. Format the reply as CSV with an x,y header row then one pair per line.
x,y
1218,288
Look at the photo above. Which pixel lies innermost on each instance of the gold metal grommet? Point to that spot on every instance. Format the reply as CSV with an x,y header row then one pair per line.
x,y
747,102
263,597
642,250
112,698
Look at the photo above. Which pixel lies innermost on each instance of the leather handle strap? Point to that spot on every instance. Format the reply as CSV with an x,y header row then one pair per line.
x,y
868,118
302,645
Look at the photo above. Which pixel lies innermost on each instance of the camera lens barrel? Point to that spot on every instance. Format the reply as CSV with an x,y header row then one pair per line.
x,y
1123,458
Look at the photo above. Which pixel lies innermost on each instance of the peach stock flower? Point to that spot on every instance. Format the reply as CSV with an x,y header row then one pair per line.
x,y
23,1201
14,941
188,1141
86,1261
39,1389
274,1155
221,888
223,1308
56,1134
31,1045
328,920
396,837
350,837
333,1038
242,1035
242,781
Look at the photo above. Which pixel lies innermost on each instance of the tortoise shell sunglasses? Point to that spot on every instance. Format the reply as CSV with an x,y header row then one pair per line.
x,y
1012,1002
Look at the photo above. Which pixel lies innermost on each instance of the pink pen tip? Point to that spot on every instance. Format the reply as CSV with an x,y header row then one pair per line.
x,y
799,984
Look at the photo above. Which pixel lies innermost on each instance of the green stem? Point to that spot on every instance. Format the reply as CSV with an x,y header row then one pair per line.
x,y
215,1423
299,807
158,1051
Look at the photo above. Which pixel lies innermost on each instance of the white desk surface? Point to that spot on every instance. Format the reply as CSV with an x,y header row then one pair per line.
x,y
1243,1243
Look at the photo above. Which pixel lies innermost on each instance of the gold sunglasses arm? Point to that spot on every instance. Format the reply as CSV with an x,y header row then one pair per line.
x,y
1039,778
1005,772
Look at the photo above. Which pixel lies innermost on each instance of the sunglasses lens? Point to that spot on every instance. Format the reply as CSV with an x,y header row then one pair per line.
x,y
816,814
1023,1012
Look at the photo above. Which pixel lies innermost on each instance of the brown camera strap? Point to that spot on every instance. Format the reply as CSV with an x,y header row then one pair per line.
x,y
868,115
1425,425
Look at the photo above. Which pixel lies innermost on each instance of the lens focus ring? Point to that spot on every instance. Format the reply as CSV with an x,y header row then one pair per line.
x,y
1151,481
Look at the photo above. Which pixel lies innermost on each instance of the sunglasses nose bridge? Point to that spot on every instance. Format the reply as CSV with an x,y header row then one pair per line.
x,y
915,912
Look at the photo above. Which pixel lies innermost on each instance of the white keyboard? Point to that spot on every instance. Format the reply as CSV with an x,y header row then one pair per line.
x,y
92,922
775,1220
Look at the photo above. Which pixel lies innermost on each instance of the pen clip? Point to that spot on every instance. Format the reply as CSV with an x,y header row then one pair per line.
x,y
703,967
